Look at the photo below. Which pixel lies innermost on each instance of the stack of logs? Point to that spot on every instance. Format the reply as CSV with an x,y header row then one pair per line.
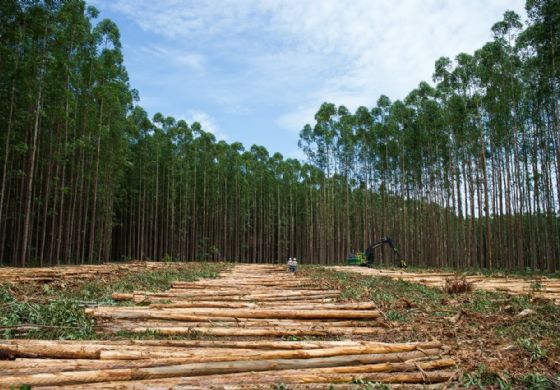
x,y
248,301
161,364
235,325
74,272
540,287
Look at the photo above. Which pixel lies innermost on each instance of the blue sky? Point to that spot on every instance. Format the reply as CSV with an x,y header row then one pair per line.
x,y
256,71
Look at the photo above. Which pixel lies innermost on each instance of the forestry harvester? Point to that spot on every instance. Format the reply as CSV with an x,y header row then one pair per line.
x,y
366,259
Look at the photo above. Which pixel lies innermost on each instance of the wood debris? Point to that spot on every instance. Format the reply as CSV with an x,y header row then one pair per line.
x,y
547,288
76,272
248,314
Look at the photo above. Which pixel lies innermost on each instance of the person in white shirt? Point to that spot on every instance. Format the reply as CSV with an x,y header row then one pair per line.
x,y
292,265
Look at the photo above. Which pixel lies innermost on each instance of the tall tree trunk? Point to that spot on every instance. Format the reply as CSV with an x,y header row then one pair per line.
x,y
32,157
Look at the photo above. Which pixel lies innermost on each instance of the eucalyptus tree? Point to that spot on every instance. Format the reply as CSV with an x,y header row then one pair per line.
x,y
464,172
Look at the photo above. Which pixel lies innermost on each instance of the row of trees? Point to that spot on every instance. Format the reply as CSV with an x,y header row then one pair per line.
x,y
460,173
467,170
64,97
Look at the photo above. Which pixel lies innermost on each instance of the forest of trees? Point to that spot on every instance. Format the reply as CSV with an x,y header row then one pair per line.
x,y
463,172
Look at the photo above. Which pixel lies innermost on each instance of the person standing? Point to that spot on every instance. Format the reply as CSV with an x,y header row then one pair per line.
x,y
292,265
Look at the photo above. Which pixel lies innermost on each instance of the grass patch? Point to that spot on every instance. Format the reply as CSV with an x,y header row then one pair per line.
x,y
367,385
150,334
395,315
162,280
311,338
534,349
526,273
541,326
484,378
535,381
153,281
56,311
57,319
381,289
485,325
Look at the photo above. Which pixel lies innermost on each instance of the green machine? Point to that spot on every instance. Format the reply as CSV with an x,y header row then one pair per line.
x,y
365,259
356,259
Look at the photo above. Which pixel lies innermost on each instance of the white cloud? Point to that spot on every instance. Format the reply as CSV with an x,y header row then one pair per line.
x,y
207,122
193,60
297,154
296,119
297,54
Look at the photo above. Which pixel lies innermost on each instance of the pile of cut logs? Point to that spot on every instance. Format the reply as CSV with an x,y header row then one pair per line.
x,y
249,301
541,287
162,364
235,324
73,272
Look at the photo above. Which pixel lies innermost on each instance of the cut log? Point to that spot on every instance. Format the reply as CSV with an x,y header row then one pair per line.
x,y
247,323
192,369
90,349
30,366
257,332
122,296
198,356
188,314
280,305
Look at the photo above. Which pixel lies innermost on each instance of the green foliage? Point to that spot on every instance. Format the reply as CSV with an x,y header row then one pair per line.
x,y
151,334
292,338
537,286
537,381
482,378
163,279
57,319
367,385
467,164
22,387
538,326
382,290
395,315
311,338
488,302
59,313
535,350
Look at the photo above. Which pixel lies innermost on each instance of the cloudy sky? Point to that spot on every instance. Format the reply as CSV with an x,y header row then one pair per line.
x,y
256,71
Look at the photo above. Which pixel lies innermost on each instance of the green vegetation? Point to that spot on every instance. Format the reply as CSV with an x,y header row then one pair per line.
x,y
382,290
155,335
538,382
534,349
162,279
460,173
367,385
22,387
312,338
482,378
526,273
60,318
57,312
479,317
395,315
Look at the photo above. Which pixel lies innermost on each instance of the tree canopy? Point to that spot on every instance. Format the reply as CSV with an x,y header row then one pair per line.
x,y
461,172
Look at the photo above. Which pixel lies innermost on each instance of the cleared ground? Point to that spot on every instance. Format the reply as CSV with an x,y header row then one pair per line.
x,y
201,325
536,287
254,310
